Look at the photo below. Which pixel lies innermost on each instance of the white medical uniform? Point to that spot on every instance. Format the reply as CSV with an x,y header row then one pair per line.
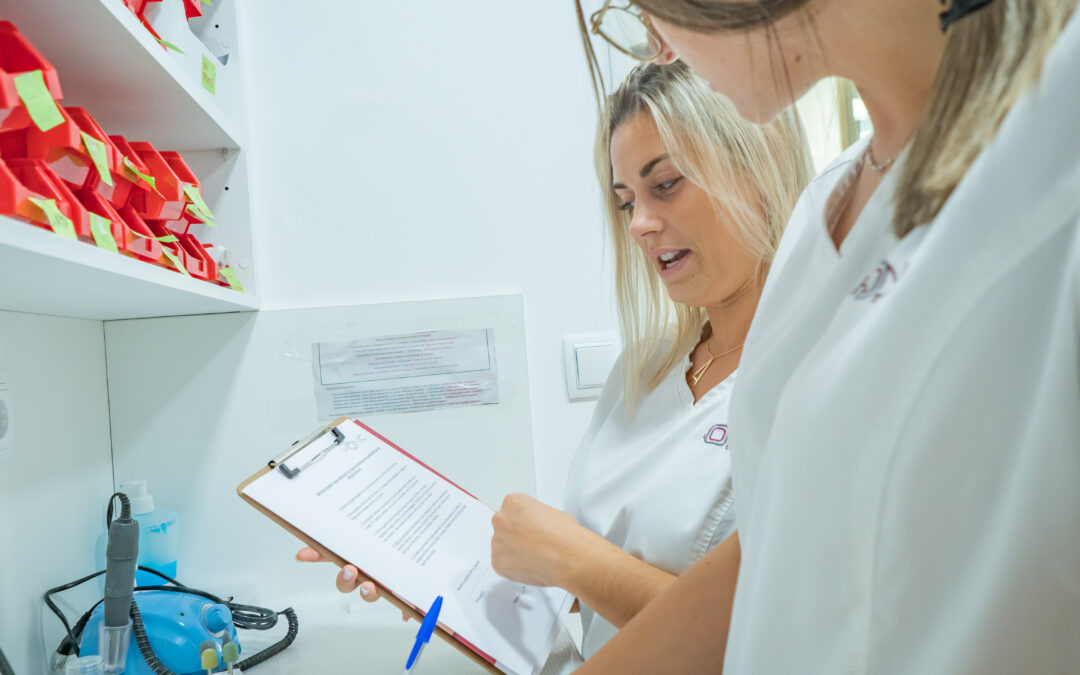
x,y
658,484
906,429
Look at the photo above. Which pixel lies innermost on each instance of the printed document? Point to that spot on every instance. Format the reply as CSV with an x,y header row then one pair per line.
x,y
419,536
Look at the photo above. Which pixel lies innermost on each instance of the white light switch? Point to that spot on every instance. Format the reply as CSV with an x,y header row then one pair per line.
x,y
588,360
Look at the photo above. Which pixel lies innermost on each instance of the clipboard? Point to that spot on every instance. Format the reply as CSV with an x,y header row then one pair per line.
x,y
291,465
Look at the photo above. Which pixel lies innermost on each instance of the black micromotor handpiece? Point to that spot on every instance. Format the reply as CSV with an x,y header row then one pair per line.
x,y
120,565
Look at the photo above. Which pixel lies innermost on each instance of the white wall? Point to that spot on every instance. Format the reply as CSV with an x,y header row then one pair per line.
x,y
54,488
405,151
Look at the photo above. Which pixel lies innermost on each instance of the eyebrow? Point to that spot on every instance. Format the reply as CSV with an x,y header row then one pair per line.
x,y
645,170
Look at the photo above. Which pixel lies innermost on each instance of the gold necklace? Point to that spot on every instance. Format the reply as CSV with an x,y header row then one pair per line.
x,y
700,372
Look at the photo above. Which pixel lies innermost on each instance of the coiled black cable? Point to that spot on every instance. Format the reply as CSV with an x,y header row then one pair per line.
x,y
276,648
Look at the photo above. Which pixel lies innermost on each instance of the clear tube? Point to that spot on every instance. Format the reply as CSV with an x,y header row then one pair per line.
x,y
114,643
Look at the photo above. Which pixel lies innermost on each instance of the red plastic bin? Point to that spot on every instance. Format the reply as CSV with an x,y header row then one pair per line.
x,y
168,202
35,175
15,196
119,192
124,150
176,247
18,56
60,147
141,247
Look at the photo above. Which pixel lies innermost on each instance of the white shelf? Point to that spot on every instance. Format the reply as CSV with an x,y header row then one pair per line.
x,y
109,63
43,273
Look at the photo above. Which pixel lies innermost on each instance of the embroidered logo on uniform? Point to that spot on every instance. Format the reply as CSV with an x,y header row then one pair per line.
x,y
877,283
717,435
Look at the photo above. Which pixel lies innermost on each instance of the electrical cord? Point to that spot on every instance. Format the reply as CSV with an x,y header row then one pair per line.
x,y
247,617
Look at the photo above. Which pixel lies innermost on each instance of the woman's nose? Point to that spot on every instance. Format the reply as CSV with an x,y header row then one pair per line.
x,y
644,222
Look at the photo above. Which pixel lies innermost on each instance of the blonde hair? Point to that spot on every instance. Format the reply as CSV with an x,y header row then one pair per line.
x,y
991,57
752,174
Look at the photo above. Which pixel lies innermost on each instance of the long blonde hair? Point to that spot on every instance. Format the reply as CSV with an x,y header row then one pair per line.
x,y
752,174
991,57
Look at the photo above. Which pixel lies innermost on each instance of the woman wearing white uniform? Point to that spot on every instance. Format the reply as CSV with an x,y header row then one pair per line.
x,y
696,199
906,425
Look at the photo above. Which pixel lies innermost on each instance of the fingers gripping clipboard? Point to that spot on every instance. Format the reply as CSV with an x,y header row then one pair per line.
x,y
356,497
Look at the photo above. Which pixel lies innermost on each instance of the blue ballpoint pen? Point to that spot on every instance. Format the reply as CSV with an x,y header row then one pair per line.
x,y
426,629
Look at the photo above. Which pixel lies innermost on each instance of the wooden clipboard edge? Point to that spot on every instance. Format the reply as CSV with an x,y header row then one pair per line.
x,y
457,643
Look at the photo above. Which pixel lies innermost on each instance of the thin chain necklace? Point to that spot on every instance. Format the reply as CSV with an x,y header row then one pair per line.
x,y
700,372
880,168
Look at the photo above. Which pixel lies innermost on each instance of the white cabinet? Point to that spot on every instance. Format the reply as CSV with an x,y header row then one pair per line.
x,y
110,64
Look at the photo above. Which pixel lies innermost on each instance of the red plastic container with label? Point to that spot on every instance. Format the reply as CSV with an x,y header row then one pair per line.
x,y
167,202
119,192
199,262
18,56
141,247
15,196
94,203
35,175
176,247
137,185
60,147
192,8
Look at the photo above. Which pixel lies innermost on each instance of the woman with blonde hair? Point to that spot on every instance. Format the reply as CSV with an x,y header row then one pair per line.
x,y
906,426
696,200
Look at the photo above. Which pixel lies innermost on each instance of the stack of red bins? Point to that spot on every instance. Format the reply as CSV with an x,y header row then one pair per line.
x,y
149,198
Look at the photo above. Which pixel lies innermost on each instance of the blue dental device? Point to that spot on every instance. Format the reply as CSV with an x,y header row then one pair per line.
x,y
176,624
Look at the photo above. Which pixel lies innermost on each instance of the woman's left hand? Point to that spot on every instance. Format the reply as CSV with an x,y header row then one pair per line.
x,y
535,544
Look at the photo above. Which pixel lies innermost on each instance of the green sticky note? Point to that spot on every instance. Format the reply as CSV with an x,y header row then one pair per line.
x,y
101,228
196,198
175,261
209,75
207,3
168,45
201,215
230,276
60,223
96,150
150,180
37,99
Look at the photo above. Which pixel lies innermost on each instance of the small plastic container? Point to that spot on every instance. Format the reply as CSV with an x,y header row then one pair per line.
x,y
167,202
119,192
142,247
60,147
84,665
18,56
35,175
15,196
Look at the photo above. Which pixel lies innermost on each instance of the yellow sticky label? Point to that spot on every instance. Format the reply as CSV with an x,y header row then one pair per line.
x,y
175,260
168,45
230,276
38,100
209,75
195,197
149,180
97,151
60,223
167,239
205,218
101,228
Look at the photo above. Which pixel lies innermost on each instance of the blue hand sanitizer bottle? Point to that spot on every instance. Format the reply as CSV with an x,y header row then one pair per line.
x,y
159,534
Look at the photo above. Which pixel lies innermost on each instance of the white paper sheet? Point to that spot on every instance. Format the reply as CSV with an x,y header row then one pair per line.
x,y
419,536
405,373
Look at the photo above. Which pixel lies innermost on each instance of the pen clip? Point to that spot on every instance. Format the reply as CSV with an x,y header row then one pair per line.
x,y
280,461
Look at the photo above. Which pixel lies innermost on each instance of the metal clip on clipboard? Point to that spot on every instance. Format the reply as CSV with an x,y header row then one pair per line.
x,y
279,462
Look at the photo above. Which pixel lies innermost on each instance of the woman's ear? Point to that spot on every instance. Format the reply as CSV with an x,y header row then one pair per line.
x,y
667,54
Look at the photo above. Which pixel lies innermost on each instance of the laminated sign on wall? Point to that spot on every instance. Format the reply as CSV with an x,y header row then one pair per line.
x,y
405,373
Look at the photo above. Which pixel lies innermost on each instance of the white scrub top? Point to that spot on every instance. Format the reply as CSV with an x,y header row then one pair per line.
x,y
658,484
906,429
